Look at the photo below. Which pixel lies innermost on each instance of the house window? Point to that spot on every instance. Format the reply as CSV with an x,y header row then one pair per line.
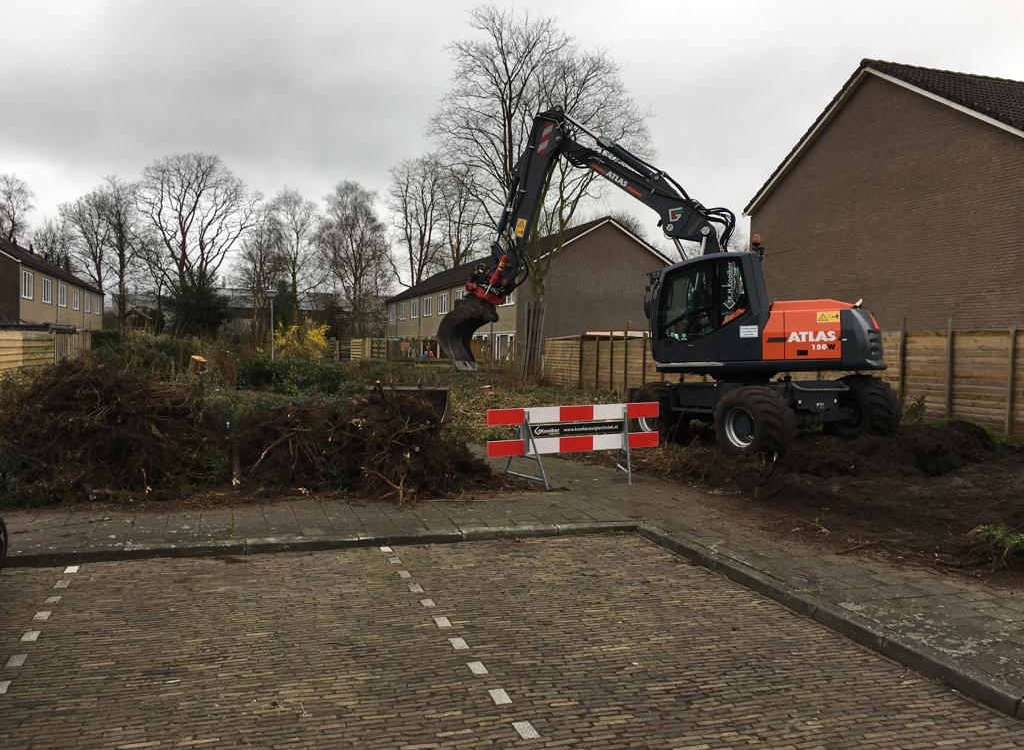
x,y
27,290
426,306
98,307
88,302
414,308
391,312
47,291
509,300
76,300
401,311
442,303
62,294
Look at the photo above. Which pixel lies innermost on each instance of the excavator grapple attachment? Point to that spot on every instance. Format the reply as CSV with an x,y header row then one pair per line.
x,y
455,334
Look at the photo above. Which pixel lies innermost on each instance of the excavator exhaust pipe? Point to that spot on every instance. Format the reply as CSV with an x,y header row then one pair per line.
x,y
455,334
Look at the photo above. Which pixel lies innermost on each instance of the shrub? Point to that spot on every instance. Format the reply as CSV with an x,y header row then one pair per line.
x,y
305,340
292,376
999,543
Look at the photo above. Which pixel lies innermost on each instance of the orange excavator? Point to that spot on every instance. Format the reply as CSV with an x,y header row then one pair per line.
x,y
709,315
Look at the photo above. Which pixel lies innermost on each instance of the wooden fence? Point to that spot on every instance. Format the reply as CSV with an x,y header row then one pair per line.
x,y
973,375
368,349
36,348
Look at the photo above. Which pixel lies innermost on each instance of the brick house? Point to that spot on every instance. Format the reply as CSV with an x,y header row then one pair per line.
x,y
35,292
906,191
596,282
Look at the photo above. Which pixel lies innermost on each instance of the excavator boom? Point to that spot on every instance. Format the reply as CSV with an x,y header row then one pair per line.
x,y
555,135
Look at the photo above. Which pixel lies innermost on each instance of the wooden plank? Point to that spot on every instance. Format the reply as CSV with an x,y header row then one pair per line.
x,y
1011,375
949,369
579,344
901,388
643,362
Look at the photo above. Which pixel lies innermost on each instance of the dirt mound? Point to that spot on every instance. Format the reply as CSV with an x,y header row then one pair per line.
x,y
80,430
385,444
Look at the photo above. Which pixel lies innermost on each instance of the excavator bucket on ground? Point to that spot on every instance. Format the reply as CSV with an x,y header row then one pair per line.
x,y
455,334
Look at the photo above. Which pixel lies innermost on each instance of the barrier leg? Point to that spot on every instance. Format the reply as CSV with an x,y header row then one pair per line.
x,y
527,436
624,450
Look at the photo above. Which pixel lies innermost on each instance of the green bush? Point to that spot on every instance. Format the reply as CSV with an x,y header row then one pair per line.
x,y
292,376
1000,544
163,356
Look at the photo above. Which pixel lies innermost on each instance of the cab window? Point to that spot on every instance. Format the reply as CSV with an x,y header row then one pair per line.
x,y
703,298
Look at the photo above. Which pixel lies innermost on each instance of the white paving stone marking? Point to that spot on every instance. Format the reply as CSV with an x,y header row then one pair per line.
x,y
385,548
71,569
17,660
395,560
4,684
459,644
442,622
428,603
30,636
42,615
476,667
526,730
61,584
52,600
404,574
499,696
415,588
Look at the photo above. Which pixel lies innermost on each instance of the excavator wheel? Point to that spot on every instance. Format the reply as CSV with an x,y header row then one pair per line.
x,y
754,420
875,406
455,333
672,428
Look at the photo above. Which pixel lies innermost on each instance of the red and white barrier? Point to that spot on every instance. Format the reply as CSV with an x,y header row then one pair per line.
x,y
571,419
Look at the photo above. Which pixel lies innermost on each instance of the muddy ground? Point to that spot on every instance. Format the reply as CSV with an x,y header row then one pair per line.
x,y
918,496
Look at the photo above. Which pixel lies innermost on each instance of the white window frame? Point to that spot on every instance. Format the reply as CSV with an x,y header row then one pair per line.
x,y
428,306
401,311
414,308
509,300
392,313
442,303
88,303
62,294
76,299
28,284
47,291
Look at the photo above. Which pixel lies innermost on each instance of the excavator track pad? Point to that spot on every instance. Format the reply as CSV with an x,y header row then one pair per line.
x,y
455,334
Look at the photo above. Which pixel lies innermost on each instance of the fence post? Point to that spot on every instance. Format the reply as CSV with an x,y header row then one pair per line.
x,y
579,368
611,360
949,368
643,362
901,386
1010,390
625,359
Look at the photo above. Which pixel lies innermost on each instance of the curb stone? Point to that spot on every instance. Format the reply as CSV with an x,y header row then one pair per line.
x,y
927,661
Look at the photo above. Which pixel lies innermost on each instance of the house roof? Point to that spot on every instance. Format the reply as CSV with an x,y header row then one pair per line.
x,y
997,101
32,260
457,276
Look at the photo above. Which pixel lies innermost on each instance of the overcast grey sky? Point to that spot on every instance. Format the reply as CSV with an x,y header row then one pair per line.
x,y
309,93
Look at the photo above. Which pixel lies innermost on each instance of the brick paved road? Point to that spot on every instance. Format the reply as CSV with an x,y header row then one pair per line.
x,y
598,642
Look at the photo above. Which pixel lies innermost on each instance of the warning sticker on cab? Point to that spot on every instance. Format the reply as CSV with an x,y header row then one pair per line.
x,y
831,316
521,229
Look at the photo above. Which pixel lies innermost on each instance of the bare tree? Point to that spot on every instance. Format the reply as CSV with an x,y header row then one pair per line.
x,y
521,66
15,205
53,242
353,244
261,266
127,238
463,224
415,198
87,218
198,210
297,219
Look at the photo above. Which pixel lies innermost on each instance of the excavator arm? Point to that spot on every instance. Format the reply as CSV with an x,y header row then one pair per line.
x,y
556,135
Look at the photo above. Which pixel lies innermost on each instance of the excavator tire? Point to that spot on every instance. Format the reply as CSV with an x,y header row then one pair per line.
x,y
876,408
672,428
754,420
